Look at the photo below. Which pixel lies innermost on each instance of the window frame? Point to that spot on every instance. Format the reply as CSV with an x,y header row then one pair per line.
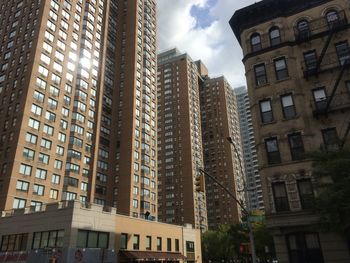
x,y
255,46
281,74
297,153
260,79
276,39
285,109
273,157
283,202
266,116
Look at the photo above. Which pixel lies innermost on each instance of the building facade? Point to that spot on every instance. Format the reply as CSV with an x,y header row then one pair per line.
x,y
78,88
219,115
253,182
180,141
296,57
92,233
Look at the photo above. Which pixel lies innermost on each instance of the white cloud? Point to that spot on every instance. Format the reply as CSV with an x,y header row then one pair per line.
x,y
215,45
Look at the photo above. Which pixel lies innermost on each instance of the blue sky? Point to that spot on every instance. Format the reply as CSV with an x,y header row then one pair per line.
x,y
202,14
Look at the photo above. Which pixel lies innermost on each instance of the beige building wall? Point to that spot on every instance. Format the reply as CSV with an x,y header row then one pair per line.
x,y
284,171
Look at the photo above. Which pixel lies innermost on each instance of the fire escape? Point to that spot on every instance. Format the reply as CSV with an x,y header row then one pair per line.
x,y
338,62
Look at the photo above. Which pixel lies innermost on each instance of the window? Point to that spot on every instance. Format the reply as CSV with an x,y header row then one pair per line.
x,y
92,239
266,111
18,203
272,150
281,68
177,245
343,52
36,110
38,189
16,242
34,124
304,248
41,174
22,186
280,197
55,179
159,244
306,193
25,169
275,36
28,153
255,42
296,146
46,143
53,239
148,243
320,98
330,139
124,241
303,29
54,194
332,18
31,138
260,74
189,246
168,244
310,59
136,242
288,106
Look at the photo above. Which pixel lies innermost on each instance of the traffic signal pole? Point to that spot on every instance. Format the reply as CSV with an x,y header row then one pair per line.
x,y
241,205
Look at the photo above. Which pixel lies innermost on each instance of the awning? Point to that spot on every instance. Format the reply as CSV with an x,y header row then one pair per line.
x,y
151,255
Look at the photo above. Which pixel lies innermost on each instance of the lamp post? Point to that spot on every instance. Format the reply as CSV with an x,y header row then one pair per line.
x,y
245,189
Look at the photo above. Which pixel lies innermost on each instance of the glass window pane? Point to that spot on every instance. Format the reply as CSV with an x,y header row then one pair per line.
x,y
92,240
82,238
287,101
103,240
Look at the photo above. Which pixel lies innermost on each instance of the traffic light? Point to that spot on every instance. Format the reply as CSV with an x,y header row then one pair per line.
x,y
199,183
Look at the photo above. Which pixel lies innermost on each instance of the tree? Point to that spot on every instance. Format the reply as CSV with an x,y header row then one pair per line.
x,y
332,169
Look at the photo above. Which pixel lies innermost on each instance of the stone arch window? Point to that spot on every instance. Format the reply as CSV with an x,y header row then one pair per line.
x,y
255,42
332,17
303,29
275,36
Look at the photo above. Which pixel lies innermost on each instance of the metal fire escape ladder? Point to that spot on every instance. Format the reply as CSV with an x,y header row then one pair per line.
x,y
323,52
336,84
342,143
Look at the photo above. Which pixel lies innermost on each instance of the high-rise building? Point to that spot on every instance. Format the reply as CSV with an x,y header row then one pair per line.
x,y
78,104
180,140
219,115
296,57
252,176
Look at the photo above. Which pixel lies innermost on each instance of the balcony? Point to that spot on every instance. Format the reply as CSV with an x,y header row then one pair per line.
x,y
320,25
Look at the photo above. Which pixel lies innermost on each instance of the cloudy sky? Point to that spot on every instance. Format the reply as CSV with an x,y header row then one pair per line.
x,y
200,28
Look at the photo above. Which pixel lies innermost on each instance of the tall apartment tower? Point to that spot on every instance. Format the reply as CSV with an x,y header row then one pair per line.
x,y
252,177
297,57
180,141
219,115
78,107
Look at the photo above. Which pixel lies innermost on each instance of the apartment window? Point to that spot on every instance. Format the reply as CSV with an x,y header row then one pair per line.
x,y
255,42
332,18
288,106
54,194
260,74
28,153
46,143
320,98
343,52
124,241
304,247
34,124
36,110
168,242
281,68
31,138
40,173
159,244
38,189
296,146
25,169
148,243
306,193
22,186
190,246
272,150
136,242
266,111
92,239
53,239
310,59
275,36
330,139
55,179
17,242
280,197
19,203
177,245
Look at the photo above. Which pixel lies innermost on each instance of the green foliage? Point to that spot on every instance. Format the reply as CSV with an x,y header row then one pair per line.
x,y
333,200
224,242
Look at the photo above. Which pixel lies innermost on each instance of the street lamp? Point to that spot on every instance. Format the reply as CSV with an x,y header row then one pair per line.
x,y
245,189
